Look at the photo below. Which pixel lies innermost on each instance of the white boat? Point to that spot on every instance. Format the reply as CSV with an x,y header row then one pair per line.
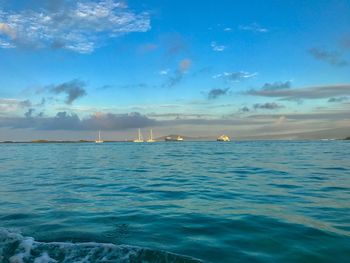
x,y
151,137
223,138
139,139
172,138
99,138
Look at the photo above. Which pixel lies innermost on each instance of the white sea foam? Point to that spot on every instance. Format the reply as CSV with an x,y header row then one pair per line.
x,y
15,248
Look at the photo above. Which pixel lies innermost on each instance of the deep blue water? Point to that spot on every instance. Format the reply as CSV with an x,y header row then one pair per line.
x,y
249,201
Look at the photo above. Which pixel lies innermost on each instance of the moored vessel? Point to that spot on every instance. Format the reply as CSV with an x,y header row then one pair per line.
x,y
177,138
139,138
151,137
223,138
99,138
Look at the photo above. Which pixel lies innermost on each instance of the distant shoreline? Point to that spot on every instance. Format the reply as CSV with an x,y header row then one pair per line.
x,y
188,140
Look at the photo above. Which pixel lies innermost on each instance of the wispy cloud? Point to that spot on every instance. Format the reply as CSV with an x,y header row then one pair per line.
x,y
235,76
345,43
7,30
268,106
215,93
7,105
176,77
164,72
217,47
338,99
277,85
80,26
254,27
148,47
174,44
73,90
244,109
317,92
332,58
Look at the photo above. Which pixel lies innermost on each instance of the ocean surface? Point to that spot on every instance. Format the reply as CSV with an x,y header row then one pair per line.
x,y
245,201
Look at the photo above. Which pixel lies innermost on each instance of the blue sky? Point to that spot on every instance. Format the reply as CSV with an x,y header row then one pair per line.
x,y
239,67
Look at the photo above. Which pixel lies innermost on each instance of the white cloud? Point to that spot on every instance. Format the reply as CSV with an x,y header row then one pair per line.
x,y
12,105
216,47
254,27
79,27
235,76
281,120
4,44
227,29
164,72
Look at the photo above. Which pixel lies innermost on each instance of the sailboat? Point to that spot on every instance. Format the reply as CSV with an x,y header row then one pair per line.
x,y
151,137
99,138
139,139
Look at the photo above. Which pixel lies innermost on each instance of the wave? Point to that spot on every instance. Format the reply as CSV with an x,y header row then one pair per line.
x,y
15,248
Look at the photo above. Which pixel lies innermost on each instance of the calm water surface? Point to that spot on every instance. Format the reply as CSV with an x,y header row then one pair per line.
x,y
253,201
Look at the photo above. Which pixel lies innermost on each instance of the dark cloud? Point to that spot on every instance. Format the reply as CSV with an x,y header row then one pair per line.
x,y
71,121
177,115
235,76
202,71
175,44
73,90
215,93
110,121
318,92
178,75
134,86
29,113
25,103
173,79
277,85
105,87
244,109
338,99
345,43
211,122
332,58
268,106
326,116
41,103
7,104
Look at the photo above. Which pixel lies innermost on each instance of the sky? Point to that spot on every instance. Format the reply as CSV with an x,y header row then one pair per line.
x,y
242,68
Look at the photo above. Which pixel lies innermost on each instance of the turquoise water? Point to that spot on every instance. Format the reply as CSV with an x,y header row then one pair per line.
x,y
253,201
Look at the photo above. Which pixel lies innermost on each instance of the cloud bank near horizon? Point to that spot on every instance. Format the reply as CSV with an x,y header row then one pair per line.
x,y
285,92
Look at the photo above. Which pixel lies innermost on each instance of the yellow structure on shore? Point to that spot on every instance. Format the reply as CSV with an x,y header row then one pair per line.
x,y
223,138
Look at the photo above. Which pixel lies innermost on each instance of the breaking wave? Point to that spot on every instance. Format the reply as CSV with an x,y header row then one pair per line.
x,y
15,248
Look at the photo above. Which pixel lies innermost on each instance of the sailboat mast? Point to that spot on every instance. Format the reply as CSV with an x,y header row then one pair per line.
x,y
151,135
139,135
99,135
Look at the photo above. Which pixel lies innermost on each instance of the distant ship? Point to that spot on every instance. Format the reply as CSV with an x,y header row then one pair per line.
x,y
151,137
99,138
223,138
177,138
139,138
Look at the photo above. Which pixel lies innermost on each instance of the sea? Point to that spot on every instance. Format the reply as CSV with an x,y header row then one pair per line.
x,y
238,201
